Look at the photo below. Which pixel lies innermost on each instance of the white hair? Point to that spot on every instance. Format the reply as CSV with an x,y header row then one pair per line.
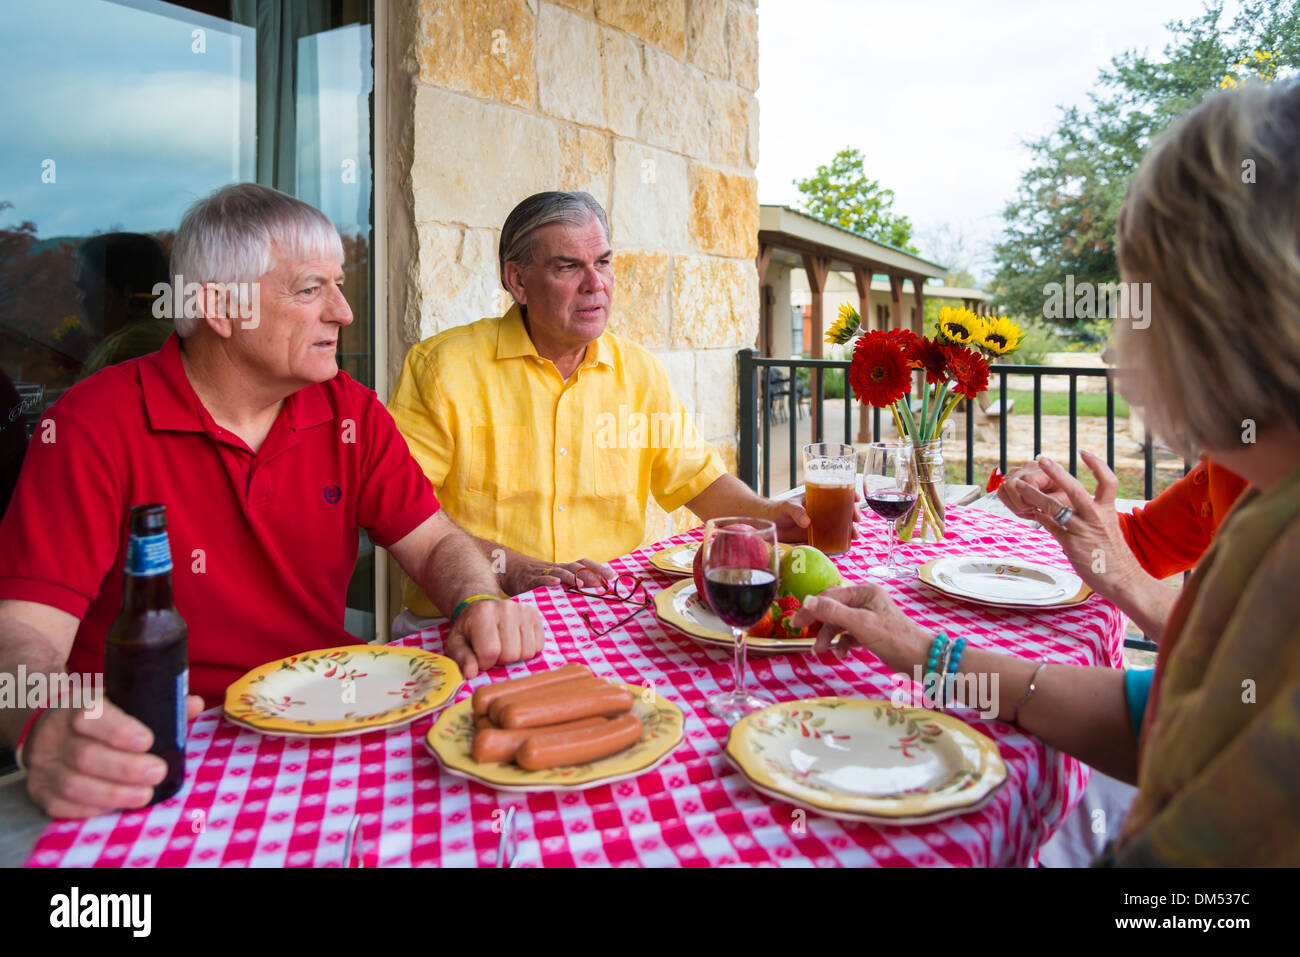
x,y
227,238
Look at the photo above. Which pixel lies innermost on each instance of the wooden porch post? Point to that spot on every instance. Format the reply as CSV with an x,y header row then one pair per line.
x,y
896,294
816,267
862,277
918,287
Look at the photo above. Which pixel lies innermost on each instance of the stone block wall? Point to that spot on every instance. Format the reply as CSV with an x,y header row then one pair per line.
x,y
646,104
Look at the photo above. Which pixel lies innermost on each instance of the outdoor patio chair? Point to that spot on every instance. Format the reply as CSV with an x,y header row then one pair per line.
x,y
778,405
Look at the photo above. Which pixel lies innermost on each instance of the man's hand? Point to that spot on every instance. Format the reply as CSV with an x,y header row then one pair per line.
x,y
494,632
79,766
793,521
524,574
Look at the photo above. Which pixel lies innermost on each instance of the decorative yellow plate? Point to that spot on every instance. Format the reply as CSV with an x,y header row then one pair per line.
x,y
680,559
681,607
452,736
1004,583
339,691
862,760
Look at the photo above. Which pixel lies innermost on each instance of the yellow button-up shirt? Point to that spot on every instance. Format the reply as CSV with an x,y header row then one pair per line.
x,y
553,469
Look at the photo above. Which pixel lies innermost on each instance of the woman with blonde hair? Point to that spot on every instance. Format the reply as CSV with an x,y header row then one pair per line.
x,y
1212,223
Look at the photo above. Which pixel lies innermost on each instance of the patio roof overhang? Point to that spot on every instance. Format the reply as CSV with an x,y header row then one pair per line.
x,y
795,238
791,234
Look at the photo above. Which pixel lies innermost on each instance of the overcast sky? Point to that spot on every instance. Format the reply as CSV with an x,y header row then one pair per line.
x,y
938,94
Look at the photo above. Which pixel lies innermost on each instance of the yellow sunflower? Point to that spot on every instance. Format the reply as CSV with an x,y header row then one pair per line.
x,y
960,326
845,325
1001,336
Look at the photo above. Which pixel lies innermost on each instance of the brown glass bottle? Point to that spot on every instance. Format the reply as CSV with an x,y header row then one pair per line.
x,y
146,660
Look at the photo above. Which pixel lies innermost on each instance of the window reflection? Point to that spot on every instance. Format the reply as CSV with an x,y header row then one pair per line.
x,y
116,115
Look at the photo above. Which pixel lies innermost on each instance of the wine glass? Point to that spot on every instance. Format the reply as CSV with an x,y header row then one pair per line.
x,y
741,573
889,484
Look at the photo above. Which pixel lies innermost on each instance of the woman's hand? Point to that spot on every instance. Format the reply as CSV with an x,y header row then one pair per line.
x,y
1090,538
868,617
1030,475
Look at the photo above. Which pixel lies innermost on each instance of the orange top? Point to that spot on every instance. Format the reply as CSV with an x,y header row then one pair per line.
x,y
1171,533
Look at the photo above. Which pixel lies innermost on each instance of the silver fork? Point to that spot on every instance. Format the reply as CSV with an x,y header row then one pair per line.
x,y
351,838
508,846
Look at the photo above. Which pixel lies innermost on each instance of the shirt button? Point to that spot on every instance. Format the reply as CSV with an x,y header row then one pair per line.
x,y
561,508
564,451
1199,477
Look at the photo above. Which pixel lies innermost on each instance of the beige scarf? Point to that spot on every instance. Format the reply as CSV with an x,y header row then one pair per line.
x,y
1219,759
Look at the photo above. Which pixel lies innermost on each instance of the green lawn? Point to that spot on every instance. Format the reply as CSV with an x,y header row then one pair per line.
x,y
1058,403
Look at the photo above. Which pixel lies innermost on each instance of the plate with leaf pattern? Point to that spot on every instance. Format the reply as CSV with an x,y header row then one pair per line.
x,y
334,692
863,760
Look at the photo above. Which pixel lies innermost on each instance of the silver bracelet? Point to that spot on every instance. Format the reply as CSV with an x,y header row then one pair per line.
x,y
1033,686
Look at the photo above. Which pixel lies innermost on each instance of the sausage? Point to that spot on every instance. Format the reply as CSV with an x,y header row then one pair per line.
x,y
484,696
603,699
556,749
501,744
560,689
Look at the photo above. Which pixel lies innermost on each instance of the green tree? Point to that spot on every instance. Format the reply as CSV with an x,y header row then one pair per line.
x,y
1062,220
843,194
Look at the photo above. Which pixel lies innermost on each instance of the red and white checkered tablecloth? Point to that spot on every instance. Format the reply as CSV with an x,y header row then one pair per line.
x,y
268,801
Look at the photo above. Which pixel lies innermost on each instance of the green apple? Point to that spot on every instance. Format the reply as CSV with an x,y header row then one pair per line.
x,y
806,571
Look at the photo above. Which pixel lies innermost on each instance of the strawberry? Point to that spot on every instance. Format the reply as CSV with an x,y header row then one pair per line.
x,y
788,606
766,625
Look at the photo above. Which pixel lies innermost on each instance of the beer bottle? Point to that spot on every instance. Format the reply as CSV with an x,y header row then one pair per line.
x,y
146,661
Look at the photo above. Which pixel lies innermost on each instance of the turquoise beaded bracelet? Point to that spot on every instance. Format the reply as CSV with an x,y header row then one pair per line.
x,y
951,666
935,661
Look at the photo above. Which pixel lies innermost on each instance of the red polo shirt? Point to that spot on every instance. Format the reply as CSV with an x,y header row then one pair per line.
x,y
263,545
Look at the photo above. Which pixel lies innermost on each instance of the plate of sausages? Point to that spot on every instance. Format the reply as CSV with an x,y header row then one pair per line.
x,y
563,729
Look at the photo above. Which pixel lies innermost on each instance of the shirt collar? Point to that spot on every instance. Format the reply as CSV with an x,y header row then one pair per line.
x,y
172,404
513,341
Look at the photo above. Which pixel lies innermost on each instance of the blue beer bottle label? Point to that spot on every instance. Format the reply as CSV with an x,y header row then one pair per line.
x,y
148,555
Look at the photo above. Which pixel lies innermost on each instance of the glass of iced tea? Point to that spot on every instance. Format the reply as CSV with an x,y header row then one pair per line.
x,y
829,476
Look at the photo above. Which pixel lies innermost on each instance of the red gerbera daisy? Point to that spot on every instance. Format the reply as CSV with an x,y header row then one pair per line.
x,y
879,373
928,355
969,370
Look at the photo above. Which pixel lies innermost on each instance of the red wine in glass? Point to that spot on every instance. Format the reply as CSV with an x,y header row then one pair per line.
x,y
891,505
740,569
740,596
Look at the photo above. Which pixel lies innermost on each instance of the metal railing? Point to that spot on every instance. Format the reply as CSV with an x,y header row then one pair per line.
x,y
757,385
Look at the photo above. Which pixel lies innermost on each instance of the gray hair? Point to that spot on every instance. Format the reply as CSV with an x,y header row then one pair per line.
x,y
227,238
519,234
1221,250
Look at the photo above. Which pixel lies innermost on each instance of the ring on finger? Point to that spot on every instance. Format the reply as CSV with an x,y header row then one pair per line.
x,y
1063,516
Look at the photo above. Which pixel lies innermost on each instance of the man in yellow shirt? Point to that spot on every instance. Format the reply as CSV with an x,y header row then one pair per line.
x,y
542,433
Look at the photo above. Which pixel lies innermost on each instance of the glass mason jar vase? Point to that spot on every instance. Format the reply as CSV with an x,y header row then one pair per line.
x,y
927,521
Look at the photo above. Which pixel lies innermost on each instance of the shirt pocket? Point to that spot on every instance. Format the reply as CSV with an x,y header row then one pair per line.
x,y
498,463
617,474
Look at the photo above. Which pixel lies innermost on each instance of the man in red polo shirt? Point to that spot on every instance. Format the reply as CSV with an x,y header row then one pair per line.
x,y
268,460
